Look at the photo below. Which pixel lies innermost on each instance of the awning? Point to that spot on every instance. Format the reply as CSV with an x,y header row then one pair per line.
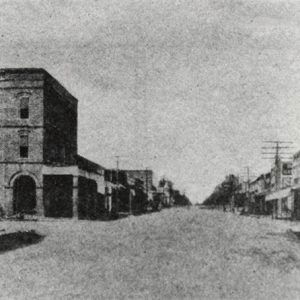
x,y
113,185
265,193
279,194
296,187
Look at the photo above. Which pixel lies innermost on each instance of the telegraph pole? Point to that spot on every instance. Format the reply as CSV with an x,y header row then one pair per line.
x,y
117,182
248,179
147,182
248,188
147,187
117,170
248,176
273,152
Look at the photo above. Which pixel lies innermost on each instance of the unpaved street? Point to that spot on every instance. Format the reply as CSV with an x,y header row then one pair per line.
x,y
178,253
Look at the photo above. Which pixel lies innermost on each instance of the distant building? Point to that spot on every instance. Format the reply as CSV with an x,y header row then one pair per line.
x,y
165,190
140,183
259,188
40,169
281,175
280,199
296,186
131,190
145,176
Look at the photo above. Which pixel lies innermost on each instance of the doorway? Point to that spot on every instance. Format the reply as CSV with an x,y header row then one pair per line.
x,y
24,195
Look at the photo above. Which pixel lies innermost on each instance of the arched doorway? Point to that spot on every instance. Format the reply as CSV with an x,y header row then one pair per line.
x,y
24,194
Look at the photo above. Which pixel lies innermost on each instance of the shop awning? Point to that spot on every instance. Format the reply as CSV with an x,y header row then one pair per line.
x,y
279,194
296,187
113,185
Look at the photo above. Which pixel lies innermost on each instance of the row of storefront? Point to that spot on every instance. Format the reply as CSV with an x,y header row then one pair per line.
x,y
276,193
41,171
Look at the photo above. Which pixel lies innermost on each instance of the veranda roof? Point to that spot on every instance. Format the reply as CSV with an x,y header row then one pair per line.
x,y
279,194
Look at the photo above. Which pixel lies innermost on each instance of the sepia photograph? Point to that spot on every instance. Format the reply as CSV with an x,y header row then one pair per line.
x,y
150,149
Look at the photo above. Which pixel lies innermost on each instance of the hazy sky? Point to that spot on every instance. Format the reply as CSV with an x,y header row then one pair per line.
x,y
187,88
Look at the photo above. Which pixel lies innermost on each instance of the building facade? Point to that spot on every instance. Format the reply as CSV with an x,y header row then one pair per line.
x,y
40,169
296,186
138,192
145,176
280,198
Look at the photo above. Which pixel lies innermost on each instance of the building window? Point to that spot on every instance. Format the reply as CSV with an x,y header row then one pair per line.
x,y
284,204
24,108
24,145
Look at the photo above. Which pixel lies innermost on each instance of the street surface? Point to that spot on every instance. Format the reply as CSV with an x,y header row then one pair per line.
x,y
174,254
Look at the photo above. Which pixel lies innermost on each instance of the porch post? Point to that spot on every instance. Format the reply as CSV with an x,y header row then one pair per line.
x,y
75,197
39,201
8,201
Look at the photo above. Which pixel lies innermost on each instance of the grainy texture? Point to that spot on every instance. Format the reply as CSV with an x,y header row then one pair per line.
x,y
187,88
177,253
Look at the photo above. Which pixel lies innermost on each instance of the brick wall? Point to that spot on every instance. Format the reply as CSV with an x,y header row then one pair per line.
x,y
17,84
58,191
60,115
146,176
13,87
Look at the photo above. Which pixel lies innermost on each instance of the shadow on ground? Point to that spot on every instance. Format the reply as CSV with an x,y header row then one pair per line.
x,y
121,215
15,240
297,234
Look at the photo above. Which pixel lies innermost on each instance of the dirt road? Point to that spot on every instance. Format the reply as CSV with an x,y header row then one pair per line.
x,y
174,254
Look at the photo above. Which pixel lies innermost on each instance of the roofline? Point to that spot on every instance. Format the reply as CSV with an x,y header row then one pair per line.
x,y
22,70
4,71
136,170
78,156
64,90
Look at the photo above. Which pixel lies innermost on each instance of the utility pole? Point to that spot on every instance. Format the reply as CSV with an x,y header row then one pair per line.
x,y
248,179
273,152
109,195
248,175
147,182
117,182
130,209
248,187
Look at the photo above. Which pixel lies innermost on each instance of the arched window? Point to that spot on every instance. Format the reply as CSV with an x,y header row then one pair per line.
x,y
23,145
24,108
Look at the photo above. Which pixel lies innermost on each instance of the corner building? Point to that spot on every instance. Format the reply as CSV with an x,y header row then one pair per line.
x,y
40,170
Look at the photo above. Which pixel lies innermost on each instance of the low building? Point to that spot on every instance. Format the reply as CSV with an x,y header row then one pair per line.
x,y
253,190
280,198
296,186
165,190
259,188
131,190
241,194
145,177
115,185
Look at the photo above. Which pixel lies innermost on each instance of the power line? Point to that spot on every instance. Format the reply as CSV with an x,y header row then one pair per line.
x,y
117,181
279,142
281,147
277,150
282,153
277,155
276,160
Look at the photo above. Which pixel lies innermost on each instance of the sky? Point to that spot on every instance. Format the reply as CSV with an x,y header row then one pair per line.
x,y
190,89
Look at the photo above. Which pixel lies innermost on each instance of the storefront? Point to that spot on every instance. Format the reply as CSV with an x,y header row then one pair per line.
x,y
296,197
296,186
281,203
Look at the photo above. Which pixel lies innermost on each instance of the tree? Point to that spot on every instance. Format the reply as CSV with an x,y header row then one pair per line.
x,y
181,200
223,192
